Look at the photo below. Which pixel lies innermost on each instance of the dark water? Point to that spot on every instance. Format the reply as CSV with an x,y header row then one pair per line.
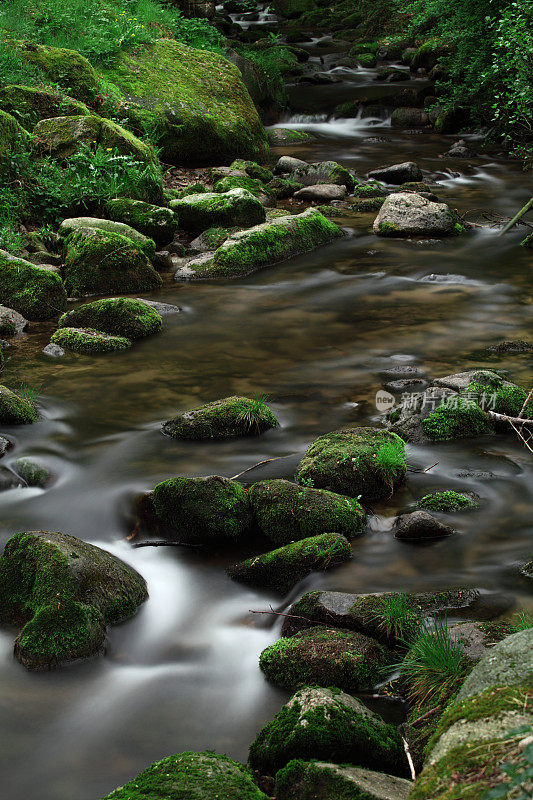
x,y
313,334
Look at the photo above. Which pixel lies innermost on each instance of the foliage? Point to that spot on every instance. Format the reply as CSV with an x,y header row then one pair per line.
x,y
521,622
396,617
255,413
519,771
14,69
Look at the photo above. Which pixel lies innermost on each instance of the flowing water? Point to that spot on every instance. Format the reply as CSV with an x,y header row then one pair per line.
x,y
314,334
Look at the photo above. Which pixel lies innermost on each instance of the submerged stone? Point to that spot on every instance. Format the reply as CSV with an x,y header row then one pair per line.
x,y
64,591
326,723
222,419
409,214
88,342
287,512
33,291
16,410
328,781
119,316
32,472
235,208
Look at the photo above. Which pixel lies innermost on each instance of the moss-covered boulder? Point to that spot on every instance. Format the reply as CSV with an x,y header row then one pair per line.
x,y
33,291
32,472
195,99
67,68
14,409
253,169
89,342
281,569
120,316
13,137
237,207
366,462
191,776
11,322
30,104
281,188
492,392
456,418
327,724
324,657
105,262
409,214
329,172
286,512
64,592
203,510
319,780
285,137
252,185
73,224
222,419
274,241
154,222
447,501
211,239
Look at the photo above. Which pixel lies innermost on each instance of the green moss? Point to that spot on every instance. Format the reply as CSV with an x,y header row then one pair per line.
x,y
192,188
365,59
322,656
65,67
282,188
280,137
30,471
367,190
155,222
191,776
447,501
287,512
254,170
120,316
236,207
15,410
89,342
281,569
367,204
462,419
34,292
367,462
252,185
310,780
388,228
203,510
30,104
73,224
329,725
488,390
102,262
222,419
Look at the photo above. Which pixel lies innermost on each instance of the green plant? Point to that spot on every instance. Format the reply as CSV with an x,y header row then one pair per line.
x,y
255,412
518,770
395,617
521,622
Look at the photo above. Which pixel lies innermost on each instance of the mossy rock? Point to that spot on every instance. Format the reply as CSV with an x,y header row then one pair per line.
x,y
365,462
211,239
104,262
318,780
192,188
281,569
457,418
329,172
286,512
67,68
285,137
194,98
327,724
88,342
33,473
30,104
490,390
369,190
282,188
446,501
274,241
191,776
154,222
366,205
16,410
222,419
203,510
235,208
324,657
73,224
253,169
367,60
33,291
119,316
13,137
64,592
252,185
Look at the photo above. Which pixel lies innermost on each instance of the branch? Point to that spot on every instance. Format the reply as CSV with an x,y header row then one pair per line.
x,y
164,543
517,217
259,463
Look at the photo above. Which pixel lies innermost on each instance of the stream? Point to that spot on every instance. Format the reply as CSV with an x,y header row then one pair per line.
x,y
313,334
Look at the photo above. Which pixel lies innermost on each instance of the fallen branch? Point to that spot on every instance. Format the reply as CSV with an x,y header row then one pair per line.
x,y
526,401
517,217
423,470
282,614
511,420
259,463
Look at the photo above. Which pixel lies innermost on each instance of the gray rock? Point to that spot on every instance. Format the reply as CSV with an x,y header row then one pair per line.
x,y
460,381
8,480
289,164
397,173
408,118
413,384
328,172
53,350
322,779
406,418
5,444
508,663
410,214
324,191
419,526
161,308
9,317
282,137
403,371
472,637
512,346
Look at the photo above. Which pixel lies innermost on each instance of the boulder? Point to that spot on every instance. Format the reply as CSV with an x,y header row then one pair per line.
x,y
281,569
420,526
33,291
202,776
11,322
195,99
237,207
328,781
66,591
5,445
366,462
33,473
456,418
321,193
73,224
210,240
14,409
274,241
477,638
324,723
67,68
397,173
325,657
154,222
119,316
13,137
406,419
289,164
53,351
253,170
162,308
281,188
286,512
447,501
267,89
328,172
30,104
409,214
203,510
222,419
285,137
408,118
509,663
105,262
88,342
252,185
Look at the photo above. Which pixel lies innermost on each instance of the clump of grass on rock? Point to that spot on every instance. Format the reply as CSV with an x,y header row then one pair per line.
x,y
223,419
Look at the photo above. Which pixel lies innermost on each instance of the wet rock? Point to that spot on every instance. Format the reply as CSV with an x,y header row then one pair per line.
x,y
420,526
404,371
154,222
33,473
8,480
413,384
325,780
366,462
202,776
119,316
282,188
324,172
511,346
325,657
30,290
11,322
163,261
447,501
235,208
89,342
210,240
397,173
203,510
287,512
460,150
327,724
16,410
5,445
407,418
527,569
281,569
68,226
477,638
322,192
69,590
161,308
283,137
409,214
289,164
53,350
222,419
409,118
